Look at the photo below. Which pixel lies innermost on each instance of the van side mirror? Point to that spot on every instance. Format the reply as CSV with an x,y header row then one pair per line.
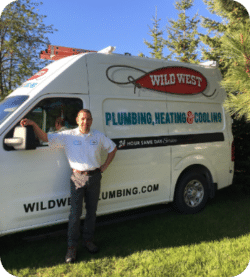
x,y
23,138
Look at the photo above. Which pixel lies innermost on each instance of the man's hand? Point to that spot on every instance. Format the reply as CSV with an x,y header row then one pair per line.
x,y
103,167
109,159
38,131
25,122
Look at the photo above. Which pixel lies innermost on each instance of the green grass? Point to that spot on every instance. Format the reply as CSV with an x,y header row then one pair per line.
x,y
215,242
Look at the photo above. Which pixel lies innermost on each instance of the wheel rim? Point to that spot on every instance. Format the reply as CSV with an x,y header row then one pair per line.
x,y
193,193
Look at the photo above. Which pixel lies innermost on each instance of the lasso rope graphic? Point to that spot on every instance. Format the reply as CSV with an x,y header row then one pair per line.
x,y
131,79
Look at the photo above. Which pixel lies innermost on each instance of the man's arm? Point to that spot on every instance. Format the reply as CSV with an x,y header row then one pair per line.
x,y
109,159
38,131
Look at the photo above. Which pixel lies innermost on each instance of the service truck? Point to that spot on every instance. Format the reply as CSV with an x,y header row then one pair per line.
x,y
173,136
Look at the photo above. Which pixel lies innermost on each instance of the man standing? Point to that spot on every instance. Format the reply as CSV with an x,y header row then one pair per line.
x,y
83,148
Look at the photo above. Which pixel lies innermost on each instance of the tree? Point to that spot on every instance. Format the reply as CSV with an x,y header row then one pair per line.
x,y
22,36
237,79
158,41
231,13
235,43
230,48
183,37
211,40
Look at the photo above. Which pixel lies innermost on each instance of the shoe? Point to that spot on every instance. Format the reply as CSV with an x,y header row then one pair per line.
x,y
91,247
71,255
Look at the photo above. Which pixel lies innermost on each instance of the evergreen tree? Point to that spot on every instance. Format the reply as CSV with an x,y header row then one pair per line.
x,y
183,37
211,40
231,13
22,36
230,47
235,47
236,81
158,42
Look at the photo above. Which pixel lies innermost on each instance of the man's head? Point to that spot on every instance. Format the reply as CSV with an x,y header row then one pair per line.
x,y
59,123
84,120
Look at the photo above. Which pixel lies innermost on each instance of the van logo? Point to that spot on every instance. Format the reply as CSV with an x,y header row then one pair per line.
x,y
39,74
177,80
93,142
77,142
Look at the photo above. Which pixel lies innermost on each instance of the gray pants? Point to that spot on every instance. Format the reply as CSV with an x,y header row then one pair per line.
x,y
90,193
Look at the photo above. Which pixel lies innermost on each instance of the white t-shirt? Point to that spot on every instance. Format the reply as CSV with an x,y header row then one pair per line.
x,y
82,150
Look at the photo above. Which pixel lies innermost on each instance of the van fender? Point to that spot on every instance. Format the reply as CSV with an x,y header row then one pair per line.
x,y
193,163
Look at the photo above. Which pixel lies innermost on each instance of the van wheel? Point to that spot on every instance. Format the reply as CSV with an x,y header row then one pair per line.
x,y
191,193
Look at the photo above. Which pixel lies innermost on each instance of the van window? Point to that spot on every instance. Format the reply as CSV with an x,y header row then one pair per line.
x,y
56,114
9,105
49,112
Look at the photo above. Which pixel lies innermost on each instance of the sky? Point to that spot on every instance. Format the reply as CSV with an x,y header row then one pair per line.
x,y
96,24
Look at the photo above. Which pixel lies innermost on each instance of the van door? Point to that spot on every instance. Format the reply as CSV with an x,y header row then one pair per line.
x,y
35,183
140,172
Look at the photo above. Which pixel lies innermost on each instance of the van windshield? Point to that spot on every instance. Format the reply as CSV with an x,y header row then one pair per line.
x,y
9,105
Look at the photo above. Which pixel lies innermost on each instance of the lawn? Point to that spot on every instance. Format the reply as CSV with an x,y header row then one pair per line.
x,y
215,242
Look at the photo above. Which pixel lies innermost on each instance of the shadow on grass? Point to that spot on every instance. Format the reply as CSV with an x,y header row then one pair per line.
x,y
226,216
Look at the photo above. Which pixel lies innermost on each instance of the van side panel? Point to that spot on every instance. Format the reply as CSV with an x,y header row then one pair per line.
x,y
192,129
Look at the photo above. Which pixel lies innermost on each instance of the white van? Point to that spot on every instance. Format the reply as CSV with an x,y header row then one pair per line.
x,y
173,136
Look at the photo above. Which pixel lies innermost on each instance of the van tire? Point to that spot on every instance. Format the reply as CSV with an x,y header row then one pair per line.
x,y
191,193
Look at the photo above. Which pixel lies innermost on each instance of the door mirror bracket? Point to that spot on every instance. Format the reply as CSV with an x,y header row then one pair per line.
x,y
23,139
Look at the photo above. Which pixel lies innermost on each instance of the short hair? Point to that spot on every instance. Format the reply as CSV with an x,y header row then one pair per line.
x,y
84,111
60,120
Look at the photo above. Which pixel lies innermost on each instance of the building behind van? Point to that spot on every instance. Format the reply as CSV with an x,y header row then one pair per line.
x,y
167,119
